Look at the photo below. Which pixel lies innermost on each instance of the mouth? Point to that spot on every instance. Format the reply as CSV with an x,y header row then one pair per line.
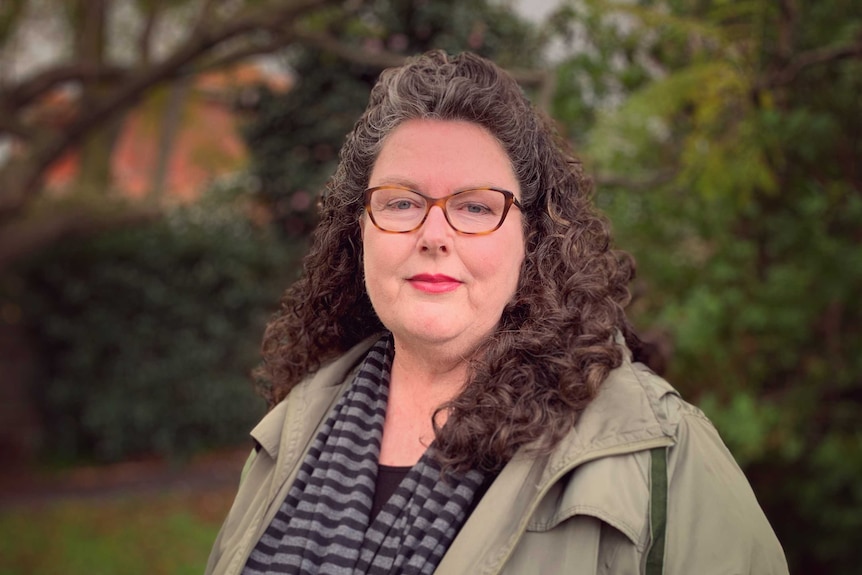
x,y
434,283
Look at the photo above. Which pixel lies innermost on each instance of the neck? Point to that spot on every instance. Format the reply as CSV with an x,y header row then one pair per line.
x,y
420,382
427,373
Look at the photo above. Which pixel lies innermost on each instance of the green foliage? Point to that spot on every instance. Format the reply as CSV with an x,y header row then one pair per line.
x,y
148,334
295,137
165,535
726,143
10,11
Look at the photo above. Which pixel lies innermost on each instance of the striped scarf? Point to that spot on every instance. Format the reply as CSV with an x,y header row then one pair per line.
x,y
324,525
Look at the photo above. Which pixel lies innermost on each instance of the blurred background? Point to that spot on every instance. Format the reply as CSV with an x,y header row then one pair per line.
x,y
160,162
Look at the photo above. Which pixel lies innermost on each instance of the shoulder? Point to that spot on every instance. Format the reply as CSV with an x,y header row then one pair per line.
x,y
634,385
698,459
714,522
711,507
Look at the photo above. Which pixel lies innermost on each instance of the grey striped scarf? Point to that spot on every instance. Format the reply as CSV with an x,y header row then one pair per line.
x,y
323,526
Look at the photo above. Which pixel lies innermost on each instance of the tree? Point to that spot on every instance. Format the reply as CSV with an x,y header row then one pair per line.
x,y
165,42
726,138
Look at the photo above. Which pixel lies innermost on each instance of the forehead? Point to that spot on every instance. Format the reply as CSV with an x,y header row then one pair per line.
x,y
438,157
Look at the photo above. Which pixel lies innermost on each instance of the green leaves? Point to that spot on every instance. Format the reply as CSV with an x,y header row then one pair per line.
x,y
726,139
748,425
149,334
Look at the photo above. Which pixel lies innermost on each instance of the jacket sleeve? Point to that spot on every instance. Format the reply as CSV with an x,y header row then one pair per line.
x,y
714,524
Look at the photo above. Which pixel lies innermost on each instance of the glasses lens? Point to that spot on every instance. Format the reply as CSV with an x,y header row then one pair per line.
x,y
396,210
476,211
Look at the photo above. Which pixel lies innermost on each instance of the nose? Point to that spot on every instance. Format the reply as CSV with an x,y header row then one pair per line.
x,y
436,234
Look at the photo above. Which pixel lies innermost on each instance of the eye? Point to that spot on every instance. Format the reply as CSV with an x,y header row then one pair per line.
x,y
472,207
400,204
475,209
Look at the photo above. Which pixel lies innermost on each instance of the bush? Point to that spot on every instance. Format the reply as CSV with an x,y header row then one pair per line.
x,y
147,335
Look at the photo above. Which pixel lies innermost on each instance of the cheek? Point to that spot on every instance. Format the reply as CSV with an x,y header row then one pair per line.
x,y
379,265
515,263
500,265
507,257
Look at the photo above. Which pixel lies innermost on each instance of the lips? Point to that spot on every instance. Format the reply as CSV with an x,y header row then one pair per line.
x,y
434,283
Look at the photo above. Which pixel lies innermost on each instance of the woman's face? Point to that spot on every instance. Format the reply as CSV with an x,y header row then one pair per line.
x,y
434,286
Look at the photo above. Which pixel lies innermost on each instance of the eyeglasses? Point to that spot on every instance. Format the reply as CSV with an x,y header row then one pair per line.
x,y
473,212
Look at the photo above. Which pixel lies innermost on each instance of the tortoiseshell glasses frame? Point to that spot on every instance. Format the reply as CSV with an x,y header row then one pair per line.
x,y
480,213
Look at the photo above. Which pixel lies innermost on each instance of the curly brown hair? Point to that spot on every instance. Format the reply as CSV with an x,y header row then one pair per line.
x,y
555,342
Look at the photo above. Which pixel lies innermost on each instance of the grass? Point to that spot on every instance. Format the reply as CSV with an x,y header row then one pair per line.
x,y
168,534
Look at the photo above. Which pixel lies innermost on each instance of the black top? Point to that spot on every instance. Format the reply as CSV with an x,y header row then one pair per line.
x,y
388,479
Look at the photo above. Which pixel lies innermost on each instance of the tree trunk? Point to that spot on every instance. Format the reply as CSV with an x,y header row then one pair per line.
x,y
94,169
171,122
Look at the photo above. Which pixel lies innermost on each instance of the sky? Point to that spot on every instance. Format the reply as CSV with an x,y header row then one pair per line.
x,y
536,10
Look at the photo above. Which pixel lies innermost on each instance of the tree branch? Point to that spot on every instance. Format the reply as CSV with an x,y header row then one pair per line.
x,y
145,40
9,124
28,90
816,57
328,43
386,59
228,59
617,181
16,180
787,23
545,81
23,238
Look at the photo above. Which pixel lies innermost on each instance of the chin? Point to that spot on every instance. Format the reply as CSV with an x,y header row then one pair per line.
x,y
432,334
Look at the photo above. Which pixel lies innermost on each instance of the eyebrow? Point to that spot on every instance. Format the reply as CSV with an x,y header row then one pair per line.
x,y
396,181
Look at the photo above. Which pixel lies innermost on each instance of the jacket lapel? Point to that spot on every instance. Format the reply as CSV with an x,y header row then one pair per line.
x,y
286,432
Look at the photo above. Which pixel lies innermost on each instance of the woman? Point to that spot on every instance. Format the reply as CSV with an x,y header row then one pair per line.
x,y
451,385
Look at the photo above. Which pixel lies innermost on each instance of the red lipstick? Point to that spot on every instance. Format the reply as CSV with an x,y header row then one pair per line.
x,y
434,283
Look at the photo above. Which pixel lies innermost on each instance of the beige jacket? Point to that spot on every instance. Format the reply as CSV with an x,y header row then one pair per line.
x,y
582,510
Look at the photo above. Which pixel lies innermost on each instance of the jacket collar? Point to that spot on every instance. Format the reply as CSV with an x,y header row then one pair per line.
x,y
313,395
627,412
